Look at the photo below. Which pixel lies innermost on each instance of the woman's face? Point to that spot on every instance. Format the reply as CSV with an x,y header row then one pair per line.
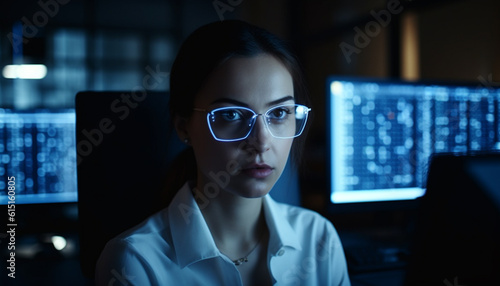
x,y
250,167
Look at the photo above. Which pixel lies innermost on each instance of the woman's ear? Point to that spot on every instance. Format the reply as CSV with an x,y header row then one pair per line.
x,y
180,124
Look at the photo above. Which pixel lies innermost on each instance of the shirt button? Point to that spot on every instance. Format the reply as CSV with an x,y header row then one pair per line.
x,y
281,252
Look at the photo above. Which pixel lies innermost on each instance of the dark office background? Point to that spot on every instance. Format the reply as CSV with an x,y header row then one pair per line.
x,y
112,45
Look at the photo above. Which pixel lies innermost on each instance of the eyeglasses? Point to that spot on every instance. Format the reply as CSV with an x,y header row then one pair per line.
x,y
236,123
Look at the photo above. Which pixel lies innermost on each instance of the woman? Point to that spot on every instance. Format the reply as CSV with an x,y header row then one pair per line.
x,y
238,101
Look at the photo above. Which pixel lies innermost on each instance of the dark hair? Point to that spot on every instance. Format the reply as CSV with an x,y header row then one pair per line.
x,y
211,45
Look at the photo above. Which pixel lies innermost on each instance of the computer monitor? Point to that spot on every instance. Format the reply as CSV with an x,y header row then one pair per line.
x,y
383,132
38,156
457,233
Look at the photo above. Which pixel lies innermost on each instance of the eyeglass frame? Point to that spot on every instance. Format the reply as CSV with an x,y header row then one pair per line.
x,y
254,118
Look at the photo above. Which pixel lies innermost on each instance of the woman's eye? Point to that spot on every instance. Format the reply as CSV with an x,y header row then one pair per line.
x,y
279,113
231,115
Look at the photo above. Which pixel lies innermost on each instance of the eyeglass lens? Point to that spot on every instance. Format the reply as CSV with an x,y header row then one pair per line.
x,y
233,123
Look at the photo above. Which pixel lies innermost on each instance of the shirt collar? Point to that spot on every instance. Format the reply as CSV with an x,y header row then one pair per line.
x,y
280,231
193,241
191,236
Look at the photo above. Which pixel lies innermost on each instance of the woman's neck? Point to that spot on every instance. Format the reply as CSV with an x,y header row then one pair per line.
x,y
236,223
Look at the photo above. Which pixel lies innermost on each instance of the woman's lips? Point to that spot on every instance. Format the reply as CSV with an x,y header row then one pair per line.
x,y
258,171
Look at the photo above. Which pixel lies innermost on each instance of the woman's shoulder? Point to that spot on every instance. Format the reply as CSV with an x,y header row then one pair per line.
x,y
153,230
138,251
293,211
300,217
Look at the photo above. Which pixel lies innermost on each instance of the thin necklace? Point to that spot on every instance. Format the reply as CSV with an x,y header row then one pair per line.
x,y
240,261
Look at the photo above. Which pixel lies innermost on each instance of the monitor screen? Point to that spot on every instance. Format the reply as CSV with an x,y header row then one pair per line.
x,y
38,156
382,133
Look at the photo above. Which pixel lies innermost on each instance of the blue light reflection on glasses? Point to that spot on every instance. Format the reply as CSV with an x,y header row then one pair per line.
x,y
227,124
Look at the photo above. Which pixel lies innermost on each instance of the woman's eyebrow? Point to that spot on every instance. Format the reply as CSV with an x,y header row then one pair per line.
x,y
229,100
240,103
286,98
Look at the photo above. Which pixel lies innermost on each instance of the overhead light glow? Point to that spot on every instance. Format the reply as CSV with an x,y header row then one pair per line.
x,y
59,242
24,71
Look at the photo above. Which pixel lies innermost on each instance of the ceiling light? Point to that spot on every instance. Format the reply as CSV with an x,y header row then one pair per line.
x,y
24,71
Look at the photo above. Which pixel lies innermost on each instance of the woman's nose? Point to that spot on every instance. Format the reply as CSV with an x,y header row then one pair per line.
x,y
260,136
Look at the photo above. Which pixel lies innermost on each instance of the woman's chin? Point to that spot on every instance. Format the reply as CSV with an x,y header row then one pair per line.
x,y
252,187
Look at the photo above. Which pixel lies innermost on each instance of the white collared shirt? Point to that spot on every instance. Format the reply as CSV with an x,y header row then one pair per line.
x,y
175,247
